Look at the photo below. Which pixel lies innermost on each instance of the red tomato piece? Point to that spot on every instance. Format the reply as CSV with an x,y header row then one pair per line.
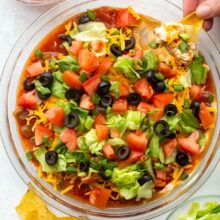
x,y
133,157
99,197
161,175
41,131
143,88
104,66
108,151
88,60
195,92
124,89
189,144
205,116
100,119
90,85
76,47
169,147
139,53
166,70
161,100
68,137
86,102
28,100
35,69
55,115
137,141
101,132
97,45
71,79
146,108
120,105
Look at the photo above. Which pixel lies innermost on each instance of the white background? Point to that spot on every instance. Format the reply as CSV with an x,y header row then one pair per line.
x,y
14,19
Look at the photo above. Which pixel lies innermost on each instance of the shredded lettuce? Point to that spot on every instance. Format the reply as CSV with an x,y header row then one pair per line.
x,y
126,66
202,139
91,31
74,31
130,193
60,166
188,122
116,142
145,191
134,119
173,122
43,90
185,80
150,61
68,63
154,147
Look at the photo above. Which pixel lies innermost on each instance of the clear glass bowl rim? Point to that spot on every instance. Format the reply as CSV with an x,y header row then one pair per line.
x,y
46,194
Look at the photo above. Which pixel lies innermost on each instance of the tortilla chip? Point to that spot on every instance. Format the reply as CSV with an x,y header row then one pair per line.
x,y
31,207
194,21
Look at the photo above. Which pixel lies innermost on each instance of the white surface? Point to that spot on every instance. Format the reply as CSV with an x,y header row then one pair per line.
x,y
15,18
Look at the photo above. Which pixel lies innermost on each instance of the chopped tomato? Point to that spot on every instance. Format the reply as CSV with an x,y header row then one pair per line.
x,y
159,184
28,100
169,147
76,47
35,69
124,89
55,115
137,141
68,137
146,108
86,102
71,79
166,70
189,144
205,116
143,88
100,119
88,60
120,105
108,151
99,197
161,175
101,132
104,66
97,45
91,85
114,133
195,92
133,157
139,53
161,100
41,131
125,18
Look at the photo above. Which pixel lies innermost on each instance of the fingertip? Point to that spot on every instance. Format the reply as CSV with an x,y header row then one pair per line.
x,y
207,25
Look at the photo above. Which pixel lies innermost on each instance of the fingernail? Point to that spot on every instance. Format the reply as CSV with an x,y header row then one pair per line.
x,y
204,11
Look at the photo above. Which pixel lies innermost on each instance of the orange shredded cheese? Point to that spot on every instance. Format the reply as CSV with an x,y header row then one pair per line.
x,y
67,189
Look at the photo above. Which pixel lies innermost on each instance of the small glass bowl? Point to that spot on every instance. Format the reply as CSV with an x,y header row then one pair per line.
x,y
160,9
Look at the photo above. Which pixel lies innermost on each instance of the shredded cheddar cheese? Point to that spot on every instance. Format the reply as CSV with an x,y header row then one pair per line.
x,y
177,174
67,189
68,27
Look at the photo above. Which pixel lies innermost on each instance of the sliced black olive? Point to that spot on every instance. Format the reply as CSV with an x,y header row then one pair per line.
x,y
74,94
51,157
160,86
151,77
182,158
161,128
195,106
28,84
129,44
116,50
72,120
171,135
65,37
105,101
170,110
103,87
83,19
43,97
123,153
144,179
84,167
133,98
46,79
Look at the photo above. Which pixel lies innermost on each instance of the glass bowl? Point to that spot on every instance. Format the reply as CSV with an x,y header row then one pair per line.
x,y
39,2
160,9
184,207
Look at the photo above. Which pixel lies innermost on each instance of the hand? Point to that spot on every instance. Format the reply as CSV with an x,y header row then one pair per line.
x,y
207,9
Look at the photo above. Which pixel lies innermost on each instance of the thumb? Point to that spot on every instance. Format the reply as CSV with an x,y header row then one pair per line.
x,y
208,9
